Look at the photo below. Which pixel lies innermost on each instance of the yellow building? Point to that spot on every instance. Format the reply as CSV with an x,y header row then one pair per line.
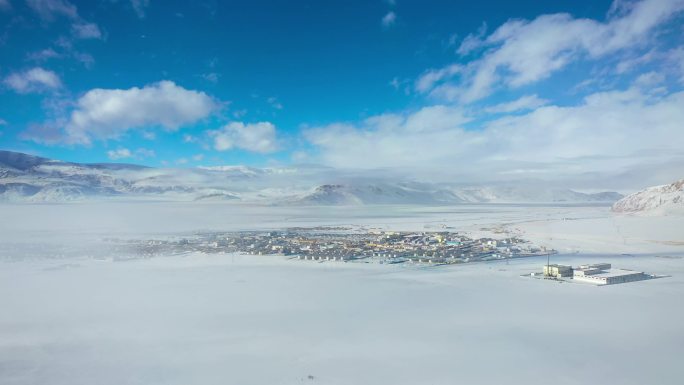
x,y
557,271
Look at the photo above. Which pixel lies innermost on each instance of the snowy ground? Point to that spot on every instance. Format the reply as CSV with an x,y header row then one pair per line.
x,y
73,316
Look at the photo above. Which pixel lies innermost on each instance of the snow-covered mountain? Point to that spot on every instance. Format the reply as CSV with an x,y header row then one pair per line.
x,y
415,193
525,194
377,193
30,178
659,200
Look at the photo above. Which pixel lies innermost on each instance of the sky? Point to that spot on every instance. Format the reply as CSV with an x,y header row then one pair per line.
x,y
576,90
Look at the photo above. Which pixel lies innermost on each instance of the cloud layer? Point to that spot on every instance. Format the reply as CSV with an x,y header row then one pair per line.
x,y
608,132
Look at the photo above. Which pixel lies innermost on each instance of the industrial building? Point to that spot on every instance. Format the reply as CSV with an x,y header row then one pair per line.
x,y
557,271
597,273
602,274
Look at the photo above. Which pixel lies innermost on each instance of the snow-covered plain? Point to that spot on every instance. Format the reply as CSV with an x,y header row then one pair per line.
x,y
72,314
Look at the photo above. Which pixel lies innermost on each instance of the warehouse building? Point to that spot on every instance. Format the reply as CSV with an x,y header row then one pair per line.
x,y
602,274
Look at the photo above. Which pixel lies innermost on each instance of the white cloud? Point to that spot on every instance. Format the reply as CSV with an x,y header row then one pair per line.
x,y
49,9
139,6
675,59
237,114
198,157
472,41
212,77
124,153
5,5
149,135
631,63
104,114
145,153
649,79
273,101
256,137
609,133
522,52
85,58
34,80
3,122
120,153
389,19
299,156
527,102
422,138
83,30
108,113
43,55
430,77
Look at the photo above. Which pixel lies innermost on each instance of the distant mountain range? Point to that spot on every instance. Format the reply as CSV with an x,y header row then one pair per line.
x,y
383,193
665,199
27,178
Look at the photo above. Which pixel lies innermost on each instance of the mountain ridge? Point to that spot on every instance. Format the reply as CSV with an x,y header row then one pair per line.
x,y
31,178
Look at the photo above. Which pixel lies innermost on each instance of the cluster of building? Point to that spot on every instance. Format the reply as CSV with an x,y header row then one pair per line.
x,y
597,273
387,246
334,244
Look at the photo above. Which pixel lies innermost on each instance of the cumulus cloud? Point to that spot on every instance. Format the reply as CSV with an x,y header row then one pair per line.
x,y
86,31
389,19
608,132
522,52
33,80
256,137
104,114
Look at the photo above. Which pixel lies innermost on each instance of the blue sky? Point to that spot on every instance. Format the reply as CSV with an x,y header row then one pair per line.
x,y
350,84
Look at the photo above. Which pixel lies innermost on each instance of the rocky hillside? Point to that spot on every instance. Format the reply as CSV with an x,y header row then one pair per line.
x,y
665,200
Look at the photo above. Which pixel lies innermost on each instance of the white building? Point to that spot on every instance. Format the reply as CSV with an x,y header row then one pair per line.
x,y
592,274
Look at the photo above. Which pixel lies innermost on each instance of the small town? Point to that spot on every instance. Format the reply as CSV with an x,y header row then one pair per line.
x,y
342,245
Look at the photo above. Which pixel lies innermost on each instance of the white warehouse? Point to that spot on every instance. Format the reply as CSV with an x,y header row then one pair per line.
x,y
602,274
